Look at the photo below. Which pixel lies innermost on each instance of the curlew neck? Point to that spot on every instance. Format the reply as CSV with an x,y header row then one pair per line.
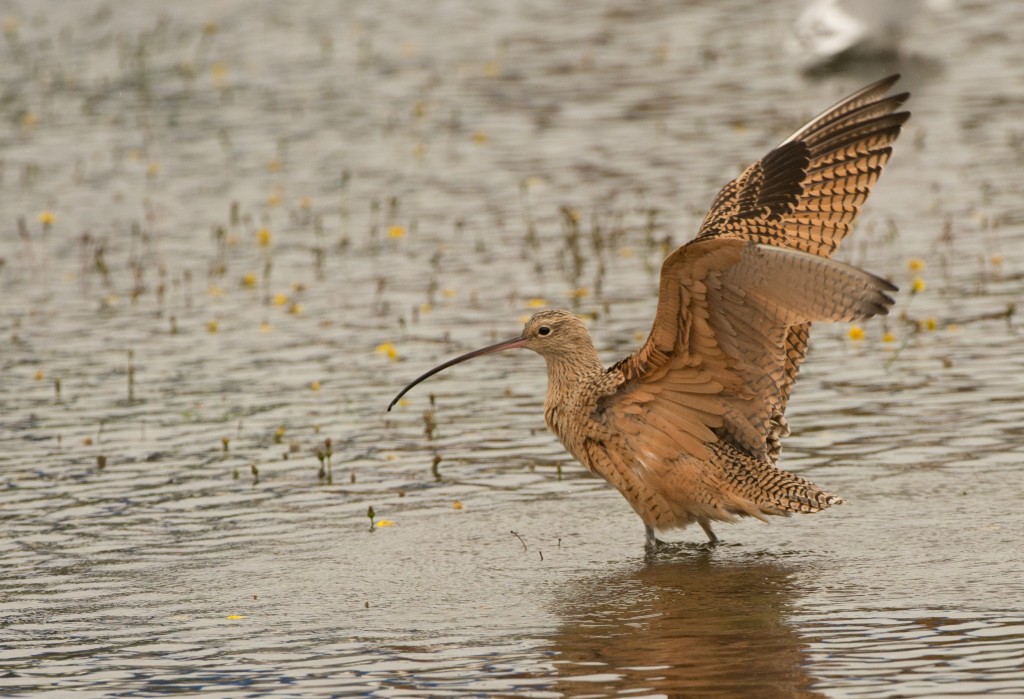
x,y
570,368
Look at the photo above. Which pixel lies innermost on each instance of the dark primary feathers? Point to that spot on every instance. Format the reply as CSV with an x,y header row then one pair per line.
x,y
806,193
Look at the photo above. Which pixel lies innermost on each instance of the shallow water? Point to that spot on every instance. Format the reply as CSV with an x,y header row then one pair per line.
x,y
410,165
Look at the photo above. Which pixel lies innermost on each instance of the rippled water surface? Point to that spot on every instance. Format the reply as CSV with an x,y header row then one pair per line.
x,y
231,231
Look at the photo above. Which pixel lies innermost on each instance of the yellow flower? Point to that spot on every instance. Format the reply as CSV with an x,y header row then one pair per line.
x,y
295,309
388,349
233,617
918,285
211,326
403,402
580,292
315,386
396,232
274,199
449,293
536,303
480,138
930,324
263,237
856,333
385,523
996,260
915,264
280,299
425,308
457,505
215,291
40,375
220,73
249,280
47,218
888,337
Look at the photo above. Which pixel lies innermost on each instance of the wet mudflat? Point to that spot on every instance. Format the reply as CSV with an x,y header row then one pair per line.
x,y
232,231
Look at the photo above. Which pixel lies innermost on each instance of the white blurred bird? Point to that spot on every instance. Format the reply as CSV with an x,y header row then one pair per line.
x,y
830,29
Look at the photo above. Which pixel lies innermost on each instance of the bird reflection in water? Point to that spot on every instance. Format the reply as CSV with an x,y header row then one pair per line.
x,y
687,626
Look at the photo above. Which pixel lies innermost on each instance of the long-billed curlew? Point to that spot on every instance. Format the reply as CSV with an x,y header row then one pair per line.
x,y
689,428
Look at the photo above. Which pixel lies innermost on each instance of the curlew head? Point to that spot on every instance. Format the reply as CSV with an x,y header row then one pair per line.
x,y
551,334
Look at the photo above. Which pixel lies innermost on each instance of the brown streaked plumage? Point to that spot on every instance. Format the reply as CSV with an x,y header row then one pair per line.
x,y
689,427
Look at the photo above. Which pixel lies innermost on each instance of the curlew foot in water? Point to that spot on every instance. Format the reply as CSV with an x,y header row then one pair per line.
x,y
654,546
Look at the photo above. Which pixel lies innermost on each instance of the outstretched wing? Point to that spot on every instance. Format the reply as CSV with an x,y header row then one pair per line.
x,y
807,192
714,362
725,349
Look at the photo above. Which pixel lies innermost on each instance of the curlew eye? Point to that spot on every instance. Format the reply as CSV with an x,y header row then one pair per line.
x,y
543,330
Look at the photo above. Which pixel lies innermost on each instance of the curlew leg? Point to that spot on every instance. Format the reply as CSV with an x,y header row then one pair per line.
x,y
651,543
706,526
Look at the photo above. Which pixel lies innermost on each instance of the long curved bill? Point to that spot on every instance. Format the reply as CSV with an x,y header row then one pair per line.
x,y
513,343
